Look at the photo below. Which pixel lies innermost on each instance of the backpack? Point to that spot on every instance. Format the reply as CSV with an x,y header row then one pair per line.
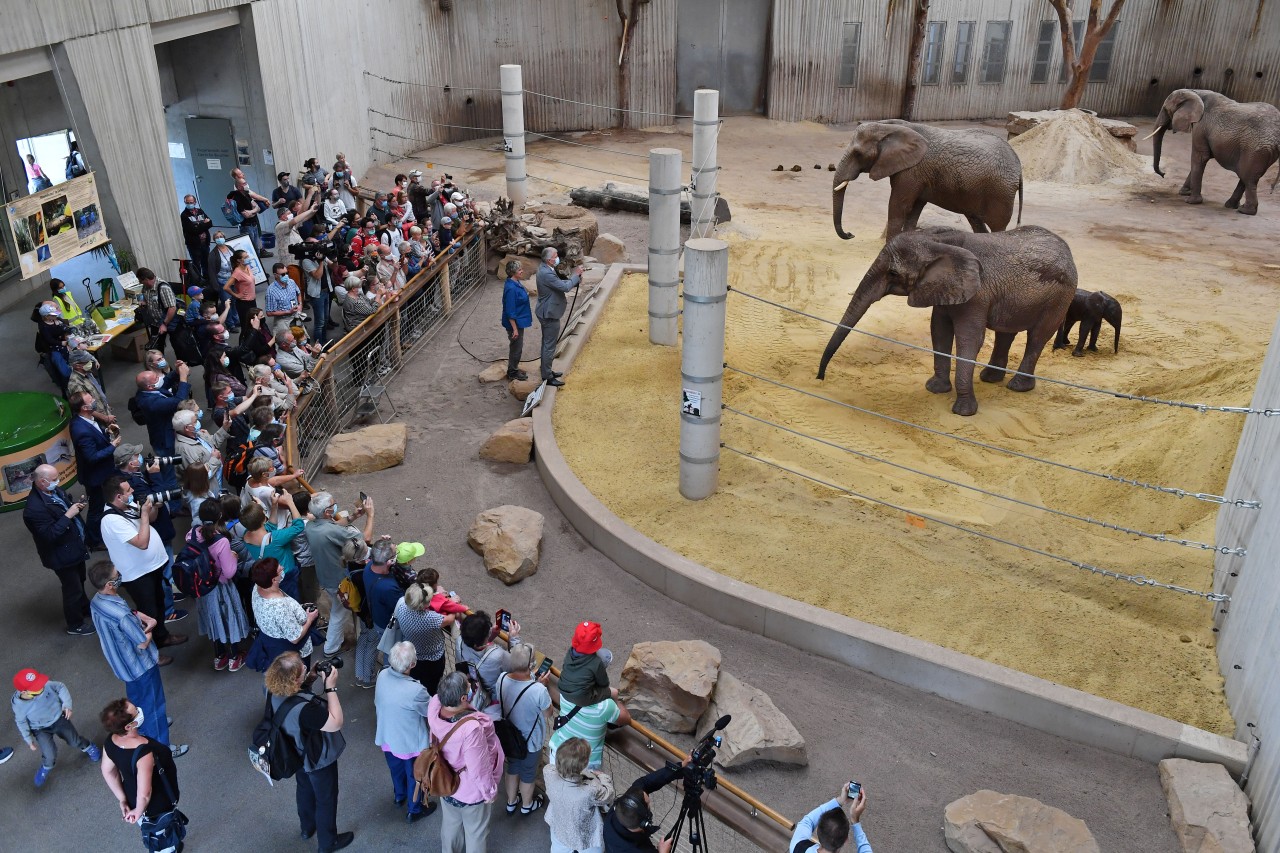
x,y
194,569
404,575
351,592
235,470
231,212
273,751
74,169
432,773
135,411
515,743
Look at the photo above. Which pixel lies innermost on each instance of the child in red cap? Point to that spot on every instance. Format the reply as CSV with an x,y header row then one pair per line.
x,y
584,679
42,709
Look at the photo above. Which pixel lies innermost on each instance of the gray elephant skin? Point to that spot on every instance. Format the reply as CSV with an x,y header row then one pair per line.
x,y
1089,309
1242,138
1013,281
968,172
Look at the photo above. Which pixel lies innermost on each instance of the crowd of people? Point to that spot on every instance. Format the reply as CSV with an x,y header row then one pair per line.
x,y
212,518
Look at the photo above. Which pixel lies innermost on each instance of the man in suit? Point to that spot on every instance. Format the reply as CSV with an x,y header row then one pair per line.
x,y
55,522
95,460
158,399
551,307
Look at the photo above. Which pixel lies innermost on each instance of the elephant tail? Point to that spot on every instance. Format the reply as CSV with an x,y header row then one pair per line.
x,y
1020,200
1276,179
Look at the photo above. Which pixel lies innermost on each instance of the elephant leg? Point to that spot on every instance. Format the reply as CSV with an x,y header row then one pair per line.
x,y
1199,159
1037,336
999,358
1064,335
1095,328
900,206
913,217
978,226
1234,202
1252,173
942,331
969,340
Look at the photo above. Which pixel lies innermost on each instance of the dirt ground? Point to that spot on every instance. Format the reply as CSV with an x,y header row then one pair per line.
x,y
1199,294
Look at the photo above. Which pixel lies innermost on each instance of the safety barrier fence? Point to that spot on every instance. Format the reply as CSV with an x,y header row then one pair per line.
x,y
355,371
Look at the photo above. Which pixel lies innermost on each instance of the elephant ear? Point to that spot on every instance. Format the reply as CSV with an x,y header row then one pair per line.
x,y
1185,108
951,278
900,148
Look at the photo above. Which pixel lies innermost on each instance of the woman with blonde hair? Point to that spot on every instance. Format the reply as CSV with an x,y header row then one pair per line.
x,y
576,794
423,627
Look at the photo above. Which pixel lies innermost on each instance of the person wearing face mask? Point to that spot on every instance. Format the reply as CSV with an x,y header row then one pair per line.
x,y
158,402
334,207
141,774
154,479
70,310
417,194
381,209
94,460
128,643
285,192
57,524
219,369
551,307
195,233
82,380
51,342
246,201
345,182
219,267
284,300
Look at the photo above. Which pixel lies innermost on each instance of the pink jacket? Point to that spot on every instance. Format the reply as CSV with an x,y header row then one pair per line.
x,y
474,752
443,604
220,552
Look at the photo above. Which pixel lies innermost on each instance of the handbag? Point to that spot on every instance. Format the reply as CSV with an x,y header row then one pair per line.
x,y
515,744
390,636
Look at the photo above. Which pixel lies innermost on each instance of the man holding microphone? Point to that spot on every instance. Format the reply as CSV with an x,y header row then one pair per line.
x,y
551,305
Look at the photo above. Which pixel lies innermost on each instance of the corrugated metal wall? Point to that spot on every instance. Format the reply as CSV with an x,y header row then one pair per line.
x,y
1156,40
1249,631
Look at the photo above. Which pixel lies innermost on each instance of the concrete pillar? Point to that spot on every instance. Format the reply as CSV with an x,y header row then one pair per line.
x,y
512,86
706,283
664,245
706,123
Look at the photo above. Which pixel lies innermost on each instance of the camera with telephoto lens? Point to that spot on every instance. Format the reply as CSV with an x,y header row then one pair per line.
x,y
328,665
163,460
315,251
160,497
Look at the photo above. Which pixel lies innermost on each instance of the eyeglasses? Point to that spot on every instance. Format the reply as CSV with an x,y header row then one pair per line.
x,y
115,582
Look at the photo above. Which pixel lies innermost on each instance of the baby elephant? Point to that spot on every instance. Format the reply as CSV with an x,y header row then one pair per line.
x,y
1089,309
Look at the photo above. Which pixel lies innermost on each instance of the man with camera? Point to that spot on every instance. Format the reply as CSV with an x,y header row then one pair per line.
x,y
153,477
158,398
56,523
629,826
551,306
315,726
284,300
826,829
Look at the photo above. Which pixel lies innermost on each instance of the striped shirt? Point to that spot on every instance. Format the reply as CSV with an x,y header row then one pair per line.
x,y
120,632
283,297
421,629
590,724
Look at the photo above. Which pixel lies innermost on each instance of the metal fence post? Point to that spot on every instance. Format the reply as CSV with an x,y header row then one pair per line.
x,y
706,281
512,86
706,124
664,245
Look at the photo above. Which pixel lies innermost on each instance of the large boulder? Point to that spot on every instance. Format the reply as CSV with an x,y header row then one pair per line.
x,y
521,388
369,449
1210,813
758,731
510,540
991,822
669,683
511,442
609,249
496,372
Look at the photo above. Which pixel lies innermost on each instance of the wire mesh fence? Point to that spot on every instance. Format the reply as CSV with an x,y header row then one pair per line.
x,y
352,379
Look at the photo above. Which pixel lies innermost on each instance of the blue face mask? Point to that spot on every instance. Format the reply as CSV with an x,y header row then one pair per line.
x,y
62,291
50,487
254,433
384,204
338,174
221,241
191,207
161,363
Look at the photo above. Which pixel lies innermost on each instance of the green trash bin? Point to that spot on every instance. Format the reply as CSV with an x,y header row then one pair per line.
x,y
34,430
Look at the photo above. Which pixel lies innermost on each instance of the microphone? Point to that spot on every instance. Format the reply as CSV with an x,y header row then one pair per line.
x,y
722,722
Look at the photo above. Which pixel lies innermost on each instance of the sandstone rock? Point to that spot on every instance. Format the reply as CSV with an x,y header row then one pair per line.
x,y
528,266
758,732
496,372
521,388
535,231
369,449
511,442
990,822
510,540
669,683
1210,813
567,216
609,249
1020,121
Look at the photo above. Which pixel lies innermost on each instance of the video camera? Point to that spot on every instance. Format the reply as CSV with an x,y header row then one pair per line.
x,y
315,251
698,776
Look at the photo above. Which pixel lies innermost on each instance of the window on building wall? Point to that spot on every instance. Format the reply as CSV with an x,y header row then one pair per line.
x,y
1077,30
1044,51
995,50
1102,59
935,39
964,50
850,46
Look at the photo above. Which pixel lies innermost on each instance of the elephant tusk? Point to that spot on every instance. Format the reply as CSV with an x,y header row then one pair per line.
x,y
840,186
1151,134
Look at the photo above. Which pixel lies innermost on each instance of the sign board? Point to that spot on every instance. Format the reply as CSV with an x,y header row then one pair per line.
x,y
246,243
691,402
55,225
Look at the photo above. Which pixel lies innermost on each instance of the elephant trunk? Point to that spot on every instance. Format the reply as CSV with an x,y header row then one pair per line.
x,y
868,292
844,175
1162,124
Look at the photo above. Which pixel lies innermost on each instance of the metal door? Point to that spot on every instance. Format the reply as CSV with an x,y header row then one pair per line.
x,y
724,45
213,156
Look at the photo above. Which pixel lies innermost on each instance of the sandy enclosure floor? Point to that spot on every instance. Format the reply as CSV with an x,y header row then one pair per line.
x,y
1198,285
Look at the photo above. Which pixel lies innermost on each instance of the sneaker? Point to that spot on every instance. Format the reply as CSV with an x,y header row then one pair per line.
x,y
179,595
176,616
511,807
220,663
42,773
93,752
236,663
84,629
538,800
364,685
343,840
180,750
6,754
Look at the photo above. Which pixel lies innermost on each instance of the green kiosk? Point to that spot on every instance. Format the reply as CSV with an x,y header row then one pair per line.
x,y
34,430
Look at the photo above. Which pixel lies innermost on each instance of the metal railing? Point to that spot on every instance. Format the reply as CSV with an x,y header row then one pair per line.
x,y
372,353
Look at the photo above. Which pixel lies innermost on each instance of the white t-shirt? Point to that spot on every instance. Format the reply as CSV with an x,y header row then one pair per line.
x,y
132,562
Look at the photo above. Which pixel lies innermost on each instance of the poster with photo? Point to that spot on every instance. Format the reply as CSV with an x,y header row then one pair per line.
x,y
245,243
56,224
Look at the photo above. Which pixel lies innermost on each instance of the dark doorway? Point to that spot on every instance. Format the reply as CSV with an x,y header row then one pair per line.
x,y
723,44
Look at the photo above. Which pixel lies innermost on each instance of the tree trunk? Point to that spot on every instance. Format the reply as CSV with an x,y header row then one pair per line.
x,y
1075,90
913,63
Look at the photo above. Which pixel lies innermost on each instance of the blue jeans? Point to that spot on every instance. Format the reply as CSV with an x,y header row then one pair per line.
x,y
402,782
320,308
255,234
168,582
147,692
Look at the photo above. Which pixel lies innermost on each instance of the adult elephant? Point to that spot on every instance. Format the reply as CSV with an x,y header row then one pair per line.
x,y
1014,281
1242,138
968,172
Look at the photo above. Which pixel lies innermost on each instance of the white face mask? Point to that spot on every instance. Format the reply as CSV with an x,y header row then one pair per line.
x,y
140,719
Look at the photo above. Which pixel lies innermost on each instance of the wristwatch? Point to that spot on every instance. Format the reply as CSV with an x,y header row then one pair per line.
x,y
331,690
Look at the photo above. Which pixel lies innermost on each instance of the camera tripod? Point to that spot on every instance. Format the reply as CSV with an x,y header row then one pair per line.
x,y
691,810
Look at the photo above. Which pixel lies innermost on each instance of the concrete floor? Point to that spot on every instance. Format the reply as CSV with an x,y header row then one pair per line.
x,y
913,752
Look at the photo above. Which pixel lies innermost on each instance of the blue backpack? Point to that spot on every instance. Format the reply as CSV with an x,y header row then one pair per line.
x,y
231,212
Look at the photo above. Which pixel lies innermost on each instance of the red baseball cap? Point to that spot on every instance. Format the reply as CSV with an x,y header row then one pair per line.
x,y
587,638
31,681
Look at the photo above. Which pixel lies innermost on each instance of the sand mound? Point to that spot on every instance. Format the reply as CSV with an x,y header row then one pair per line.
x,y
1075,148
